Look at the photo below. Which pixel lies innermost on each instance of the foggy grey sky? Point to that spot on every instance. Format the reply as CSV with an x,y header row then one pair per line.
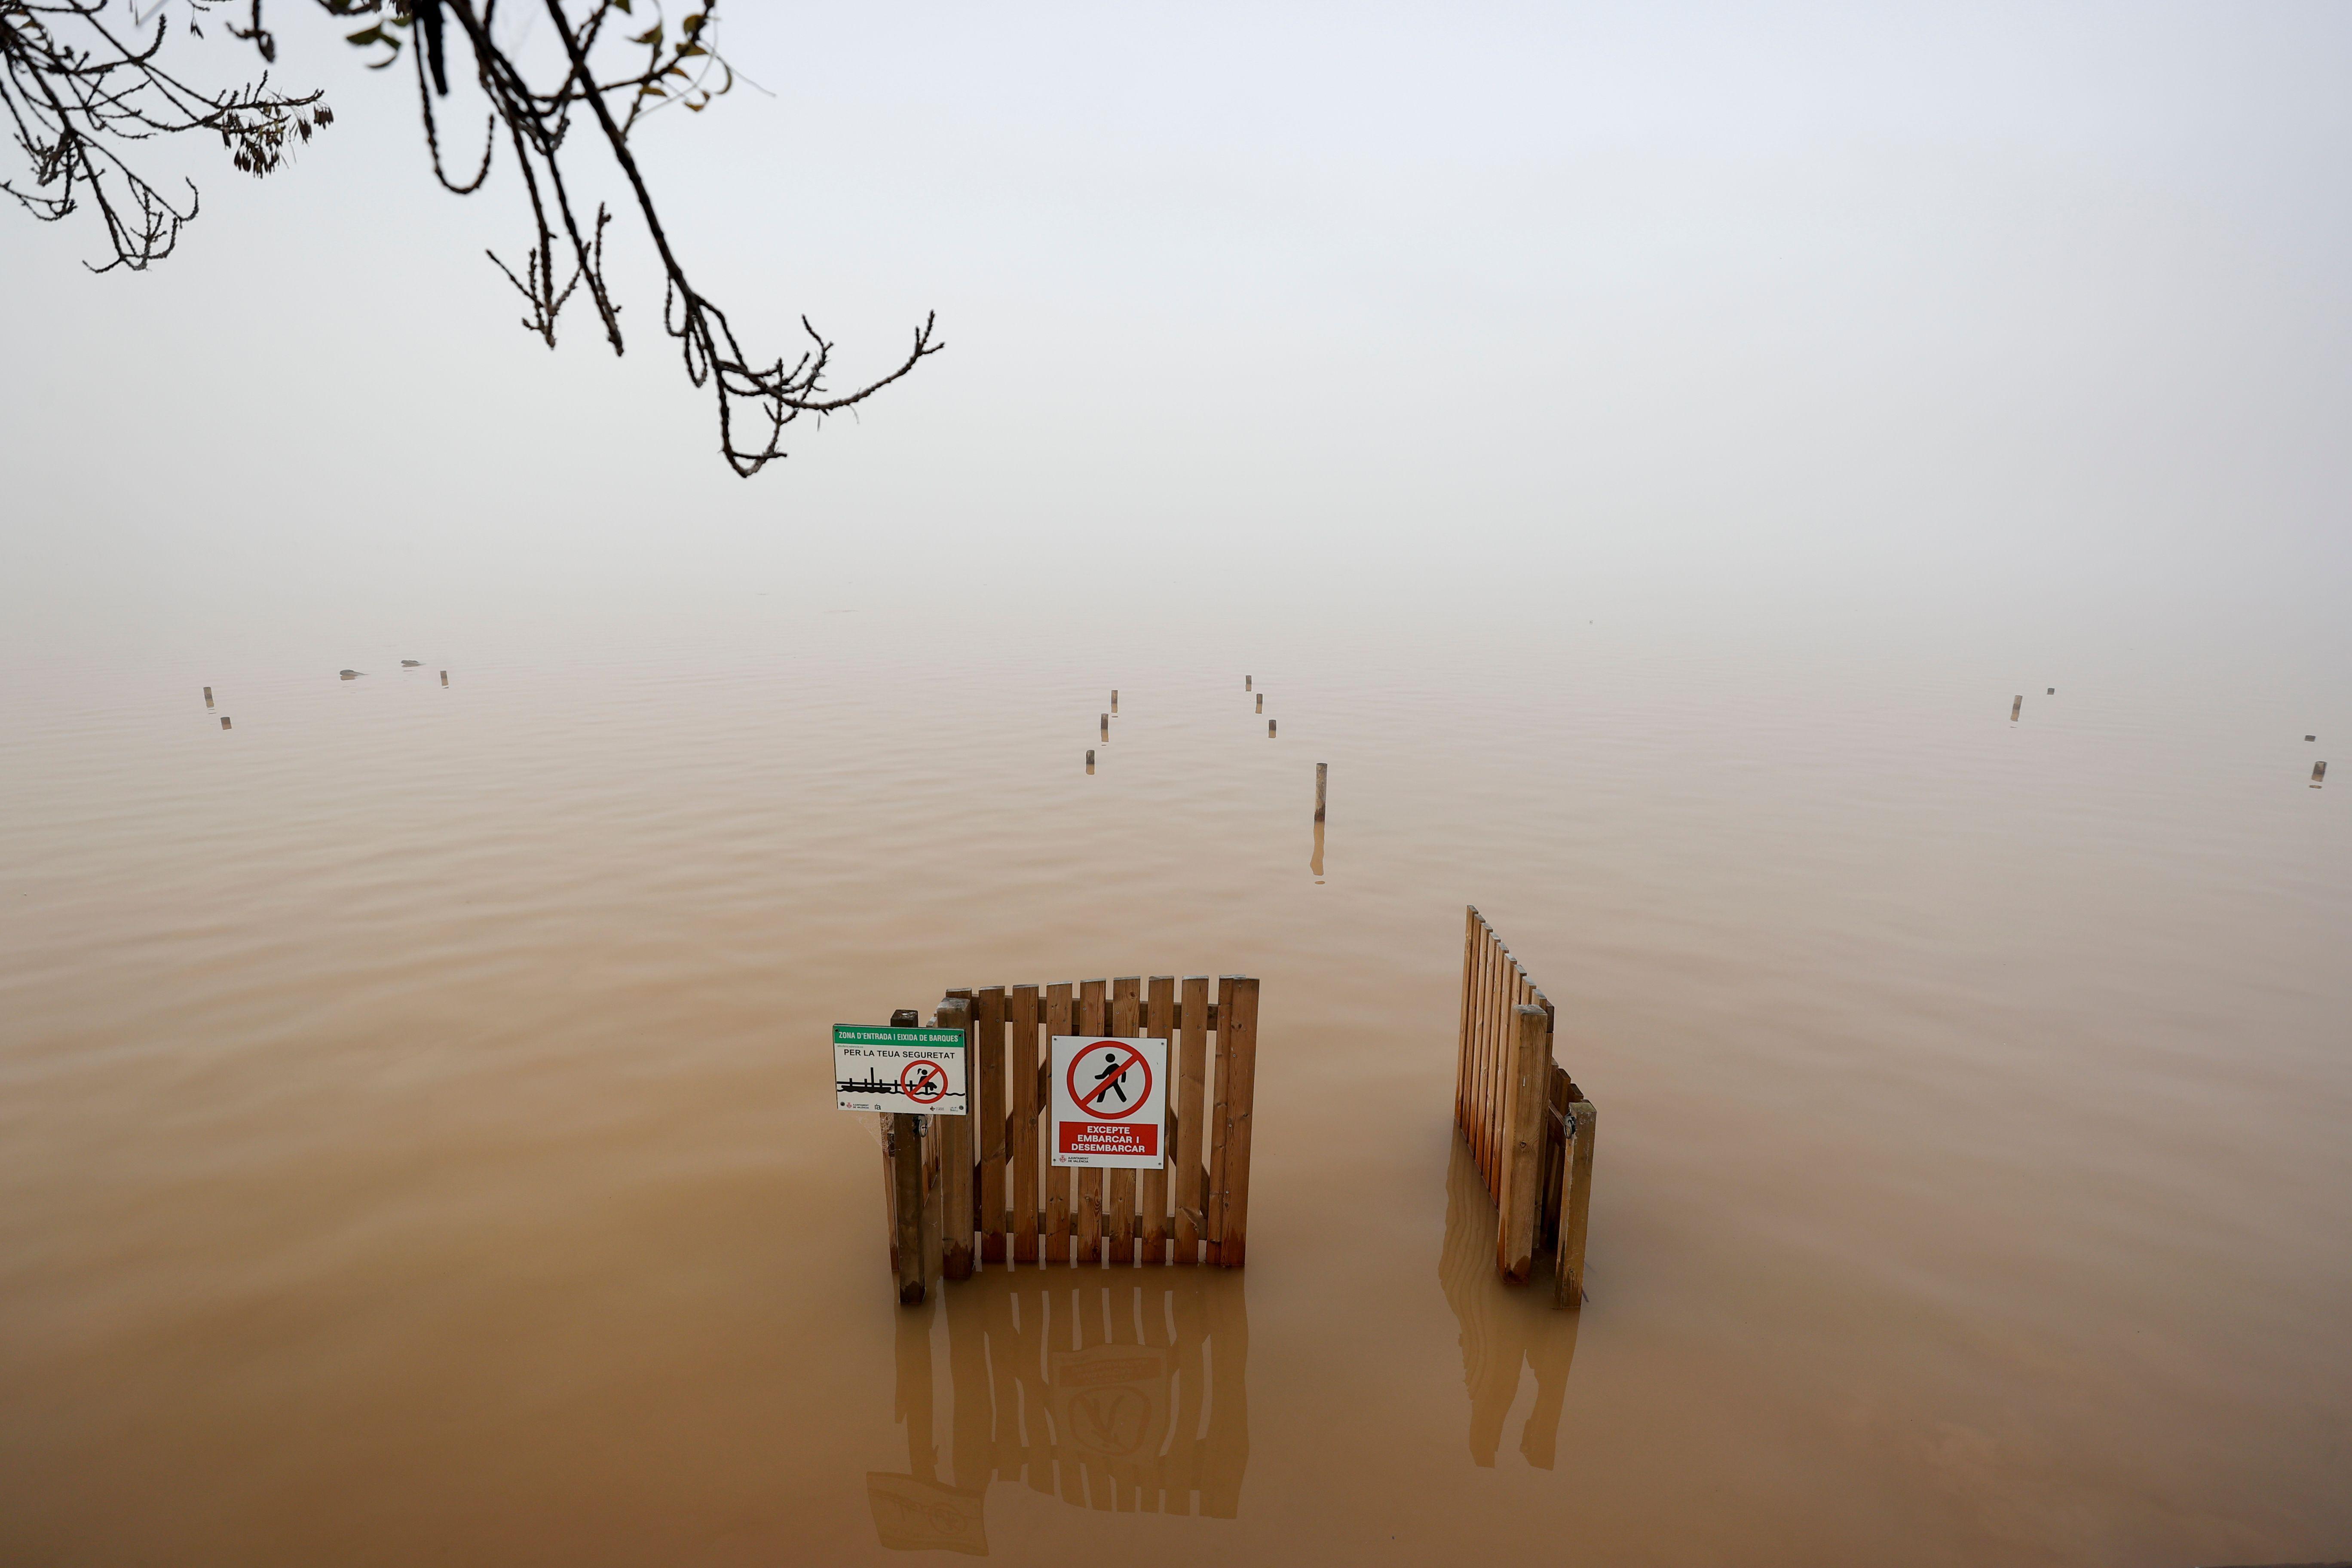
x,y
2041,309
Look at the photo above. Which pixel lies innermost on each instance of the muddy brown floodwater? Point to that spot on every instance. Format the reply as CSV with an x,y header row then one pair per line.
x,y
418,1143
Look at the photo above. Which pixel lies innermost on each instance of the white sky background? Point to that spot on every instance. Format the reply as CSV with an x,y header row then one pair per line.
x,y
2003,315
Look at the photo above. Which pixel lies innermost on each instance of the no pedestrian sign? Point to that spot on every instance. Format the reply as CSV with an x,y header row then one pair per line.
x,y
917,1070
1110,1101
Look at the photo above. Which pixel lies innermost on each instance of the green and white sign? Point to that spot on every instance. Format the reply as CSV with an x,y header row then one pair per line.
x,y
917,1070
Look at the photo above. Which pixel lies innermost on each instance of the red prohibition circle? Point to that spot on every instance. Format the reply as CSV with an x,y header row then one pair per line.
x,y
1085,1102
912,1085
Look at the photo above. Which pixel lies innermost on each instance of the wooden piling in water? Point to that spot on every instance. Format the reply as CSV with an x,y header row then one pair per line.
x,y
1261,701
2015,708
1322,777
1114,700
445,678
208,696
1105,726
1269,729
225,724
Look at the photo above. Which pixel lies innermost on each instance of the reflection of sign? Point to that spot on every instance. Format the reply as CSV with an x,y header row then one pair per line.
x,y
915,1515
1110,1101
1111,1401
877,1069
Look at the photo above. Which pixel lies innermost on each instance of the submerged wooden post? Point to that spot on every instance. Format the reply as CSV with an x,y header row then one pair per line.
x,y
208,696
2015,708
1105,726
1523,1112
1575,1205
225,724
1269,729
1114,700
1261,701
1322,777
953,1136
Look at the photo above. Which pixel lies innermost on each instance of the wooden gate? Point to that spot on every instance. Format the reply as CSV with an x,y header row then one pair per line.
x,y
1528,1126
968,1192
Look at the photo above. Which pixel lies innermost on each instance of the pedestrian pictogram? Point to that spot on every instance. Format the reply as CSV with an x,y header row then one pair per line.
x,y
1110,1069
1109,1101
877,1069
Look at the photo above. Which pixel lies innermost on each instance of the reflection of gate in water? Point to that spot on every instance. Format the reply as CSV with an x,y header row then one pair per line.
x,y
1503,1331
1117,1392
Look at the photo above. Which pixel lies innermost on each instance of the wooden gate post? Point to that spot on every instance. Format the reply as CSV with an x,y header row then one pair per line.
x,y
1575,1205
904,1151
1229,1170
1526,1093
953,1136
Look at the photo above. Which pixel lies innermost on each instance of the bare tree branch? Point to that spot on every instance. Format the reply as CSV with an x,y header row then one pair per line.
x,y
75,103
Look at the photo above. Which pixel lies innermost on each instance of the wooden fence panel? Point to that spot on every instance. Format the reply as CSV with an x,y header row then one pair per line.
x,y
1528,1126
968,1191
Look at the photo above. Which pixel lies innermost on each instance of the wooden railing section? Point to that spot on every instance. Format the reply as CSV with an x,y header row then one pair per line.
x,y
1528,1126
977,1191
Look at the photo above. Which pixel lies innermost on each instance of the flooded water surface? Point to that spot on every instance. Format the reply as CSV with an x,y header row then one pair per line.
x,y
419,1143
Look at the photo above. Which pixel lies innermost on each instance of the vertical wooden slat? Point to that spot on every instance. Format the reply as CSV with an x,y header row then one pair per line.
x,y
952,1134
1060,1206
1461,1043
1219,1123
1191,1083
1576,1207
1022,1058
934,1226
1505,1036
1240,1057
988,1061
1530,1081
1482,1053
1089,1216
1160,1012
1490,1064
1118,1229
1482,1142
